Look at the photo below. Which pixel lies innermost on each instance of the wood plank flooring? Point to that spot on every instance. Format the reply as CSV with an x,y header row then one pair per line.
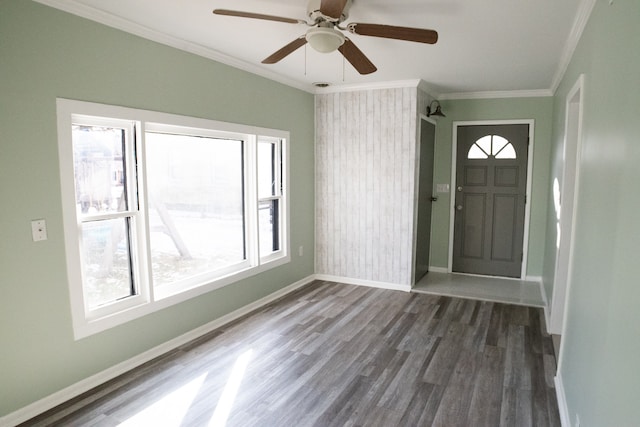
x,y
340,355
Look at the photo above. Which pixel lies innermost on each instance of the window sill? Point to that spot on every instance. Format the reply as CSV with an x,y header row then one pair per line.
x,y
166,299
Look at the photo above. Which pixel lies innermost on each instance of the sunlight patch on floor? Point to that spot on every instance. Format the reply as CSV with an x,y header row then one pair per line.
x,y
170,410
223,409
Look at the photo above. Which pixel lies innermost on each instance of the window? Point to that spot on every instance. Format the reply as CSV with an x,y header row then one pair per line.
x,y
159,208
492,145
269,194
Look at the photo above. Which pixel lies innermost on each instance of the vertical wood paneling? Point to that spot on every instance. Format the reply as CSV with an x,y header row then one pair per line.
x,y
320,177
365,168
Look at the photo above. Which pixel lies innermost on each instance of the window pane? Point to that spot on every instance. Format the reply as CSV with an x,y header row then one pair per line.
x,y
476,153
196,211
485,144
266,169
105,261
99,168
269,220
498,144
508,152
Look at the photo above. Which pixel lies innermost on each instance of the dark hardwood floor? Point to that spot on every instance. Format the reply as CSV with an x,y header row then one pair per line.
x,y
335,355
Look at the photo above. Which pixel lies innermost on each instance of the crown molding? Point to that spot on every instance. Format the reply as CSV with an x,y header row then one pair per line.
x,y
537,93
357,87
584,12
110,20
119,23
428,89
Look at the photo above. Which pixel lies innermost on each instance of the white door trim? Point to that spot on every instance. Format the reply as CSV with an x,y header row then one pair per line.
x,y
564,254
527,207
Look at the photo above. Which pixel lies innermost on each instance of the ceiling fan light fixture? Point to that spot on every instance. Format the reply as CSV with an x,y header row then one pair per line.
x,y
324,40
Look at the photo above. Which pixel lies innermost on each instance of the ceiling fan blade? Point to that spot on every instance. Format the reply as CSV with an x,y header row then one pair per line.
x,y
332,8
392,32
240,14
286,50
355,56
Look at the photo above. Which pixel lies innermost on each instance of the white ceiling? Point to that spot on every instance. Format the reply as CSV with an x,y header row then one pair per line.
x,y
484,46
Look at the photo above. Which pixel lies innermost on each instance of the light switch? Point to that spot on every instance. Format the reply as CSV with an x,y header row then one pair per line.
x,y
39,230
442,188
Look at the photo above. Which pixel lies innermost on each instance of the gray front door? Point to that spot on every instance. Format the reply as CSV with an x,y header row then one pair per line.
x,y
490,191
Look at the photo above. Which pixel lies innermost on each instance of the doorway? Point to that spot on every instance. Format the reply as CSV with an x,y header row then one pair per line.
x,y
426,197
491,163
565,199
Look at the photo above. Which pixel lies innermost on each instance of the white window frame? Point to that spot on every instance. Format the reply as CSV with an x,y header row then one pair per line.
x,y
277,196
149,299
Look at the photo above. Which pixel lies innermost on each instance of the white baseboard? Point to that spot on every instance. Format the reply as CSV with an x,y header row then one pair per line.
x,y
360,282
565,419
547,313
438,269
93,381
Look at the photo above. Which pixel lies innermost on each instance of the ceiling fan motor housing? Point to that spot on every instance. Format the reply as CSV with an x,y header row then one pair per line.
x,y
314,14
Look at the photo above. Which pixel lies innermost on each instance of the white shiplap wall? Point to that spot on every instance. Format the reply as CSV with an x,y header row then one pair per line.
x,y
365,173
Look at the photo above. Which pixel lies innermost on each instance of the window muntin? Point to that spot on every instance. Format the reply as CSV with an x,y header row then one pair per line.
x,y
119,226
492,145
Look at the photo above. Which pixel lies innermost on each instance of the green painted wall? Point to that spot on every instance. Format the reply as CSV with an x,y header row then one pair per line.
x,y
601,344
44,54
538,109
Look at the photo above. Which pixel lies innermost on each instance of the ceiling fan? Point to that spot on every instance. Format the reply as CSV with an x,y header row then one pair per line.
x,y
325,35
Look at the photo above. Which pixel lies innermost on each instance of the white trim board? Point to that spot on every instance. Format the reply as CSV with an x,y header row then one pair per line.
x,y
569,194
62,396
361,282
582,17
357,87
545,301
36,408
84,11
527,208
540,93
565,418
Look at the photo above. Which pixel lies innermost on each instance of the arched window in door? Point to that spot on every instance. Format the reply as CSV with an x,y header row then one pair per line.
x,y
491,145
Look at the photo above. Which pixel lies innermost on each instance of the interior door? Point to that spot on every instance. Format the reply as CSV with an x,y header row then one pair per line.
x,y
425,197
490,192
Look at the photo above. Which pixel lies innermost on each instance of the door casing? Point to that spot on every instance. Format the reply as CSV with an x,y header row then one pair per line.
x,y
527,207
572,154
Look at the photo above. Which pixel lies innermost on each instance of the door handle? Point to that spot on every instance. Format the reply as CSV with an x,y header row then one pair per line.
x,y
434,198
459,207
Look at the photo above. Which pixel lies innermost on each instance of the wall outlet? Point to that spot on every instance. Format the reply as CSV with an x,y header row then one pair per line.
x,y
300,250
38,230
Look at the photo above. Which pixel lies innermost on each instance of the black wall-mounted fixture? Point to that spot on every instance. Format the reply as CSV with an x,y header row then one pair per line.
x,y
437,111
